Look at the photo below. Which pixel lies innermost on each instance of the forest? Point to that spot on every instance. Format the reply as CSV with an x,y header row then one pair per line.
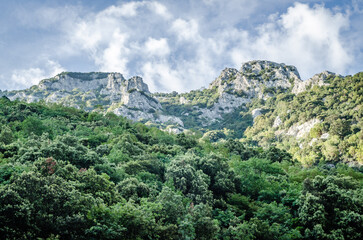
x,y
70,174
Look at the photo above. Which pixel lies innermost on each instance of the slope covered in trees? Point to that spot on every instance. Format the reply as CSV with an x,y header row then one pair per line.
x,y
264,104
336,109
70,174
322,123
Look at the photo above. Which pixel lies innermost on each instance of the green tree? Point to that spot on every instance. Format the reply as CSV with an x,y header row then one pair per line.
x,y
131,188
222,178
35,206
331,208
172,204
204,226
33,125
125,220
6,135
186,141
191,182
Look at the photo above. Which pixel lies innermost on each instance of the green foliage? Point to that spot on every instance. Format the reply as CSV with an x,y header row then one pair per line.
x,y
131,188
33,125
36,206
78,175
85,76
191,182
331,208
222,179
185,141
6,135
338,105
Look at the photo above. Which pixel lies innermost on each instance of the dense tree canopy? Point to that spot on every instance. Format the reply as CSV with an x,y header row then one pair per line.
x,y
69,174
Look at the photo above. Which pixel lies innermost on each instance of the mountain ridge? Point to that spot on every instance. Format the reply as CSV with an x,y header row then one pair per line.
x,y
263,103
131,98
248,81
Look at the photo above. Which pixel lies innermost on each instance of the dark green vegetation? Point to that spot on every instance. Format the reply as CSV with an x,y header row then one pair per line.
x,y
338,105
69,174
83,76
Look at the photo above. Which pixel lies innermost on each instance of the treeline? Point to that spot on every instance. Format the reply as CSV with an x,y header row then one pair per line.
x,y
70,174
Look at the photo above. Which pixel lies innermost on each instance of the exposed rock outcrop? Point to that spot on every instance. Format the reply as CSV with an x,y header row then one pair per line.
x,y
256,112
300,130
261,79
233,89
317,79
257,79
226,103
277,122
128,97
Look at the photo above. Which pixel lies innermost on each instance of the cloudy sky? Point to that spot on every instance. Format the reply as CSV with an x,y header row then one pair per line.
x,y
175,45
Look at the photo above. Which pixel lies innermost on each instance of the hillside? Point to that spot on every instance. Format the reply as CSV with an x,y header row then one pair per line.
x,y
264,104
70,174
323,123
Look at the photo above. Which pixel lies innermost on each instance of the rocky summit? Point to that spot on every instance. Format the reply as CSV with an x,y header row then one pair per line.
x,y
131,98
97,91
263,103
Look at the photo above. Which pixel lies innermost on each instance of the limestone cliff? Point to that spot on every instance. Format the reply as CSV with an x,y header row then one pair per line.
x,y
317,80
98,91
255,79
233,89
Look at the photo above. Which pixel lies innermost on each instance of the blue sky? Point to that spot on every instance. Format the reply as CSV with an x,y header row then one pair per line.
x,y
175,45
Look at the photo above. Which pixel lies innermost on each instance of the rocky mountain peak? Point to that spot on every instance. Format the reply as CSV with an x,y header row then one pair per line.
x,y
114,81
221,82
136,83
67,81
323,76
260,79
111,92
267,71
318,79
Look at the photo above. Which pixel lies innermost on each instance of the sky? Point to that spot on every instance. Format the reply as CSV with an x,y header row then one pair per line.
x,y
175,45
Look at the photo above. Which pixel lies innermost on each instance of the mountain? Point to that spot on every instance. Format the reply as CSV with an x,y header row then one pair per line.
x,y
131,98
70,174
97,91
262,155
263,103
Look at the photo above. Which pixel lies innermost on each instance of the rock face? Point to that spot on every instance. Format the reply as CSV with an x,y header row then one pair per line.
x,y
226,103
277,122
221,82
257,79
300,130
233,89
82,81
256,112
317,79
111,91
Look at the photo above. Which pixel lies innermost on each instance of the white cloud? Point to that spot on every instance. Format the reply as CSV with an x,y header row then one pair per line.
x,y
157,47
186,30
28,77
127,10
162,77
308,37
114,56
176,52
118,36
183,46
131,9
160,9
